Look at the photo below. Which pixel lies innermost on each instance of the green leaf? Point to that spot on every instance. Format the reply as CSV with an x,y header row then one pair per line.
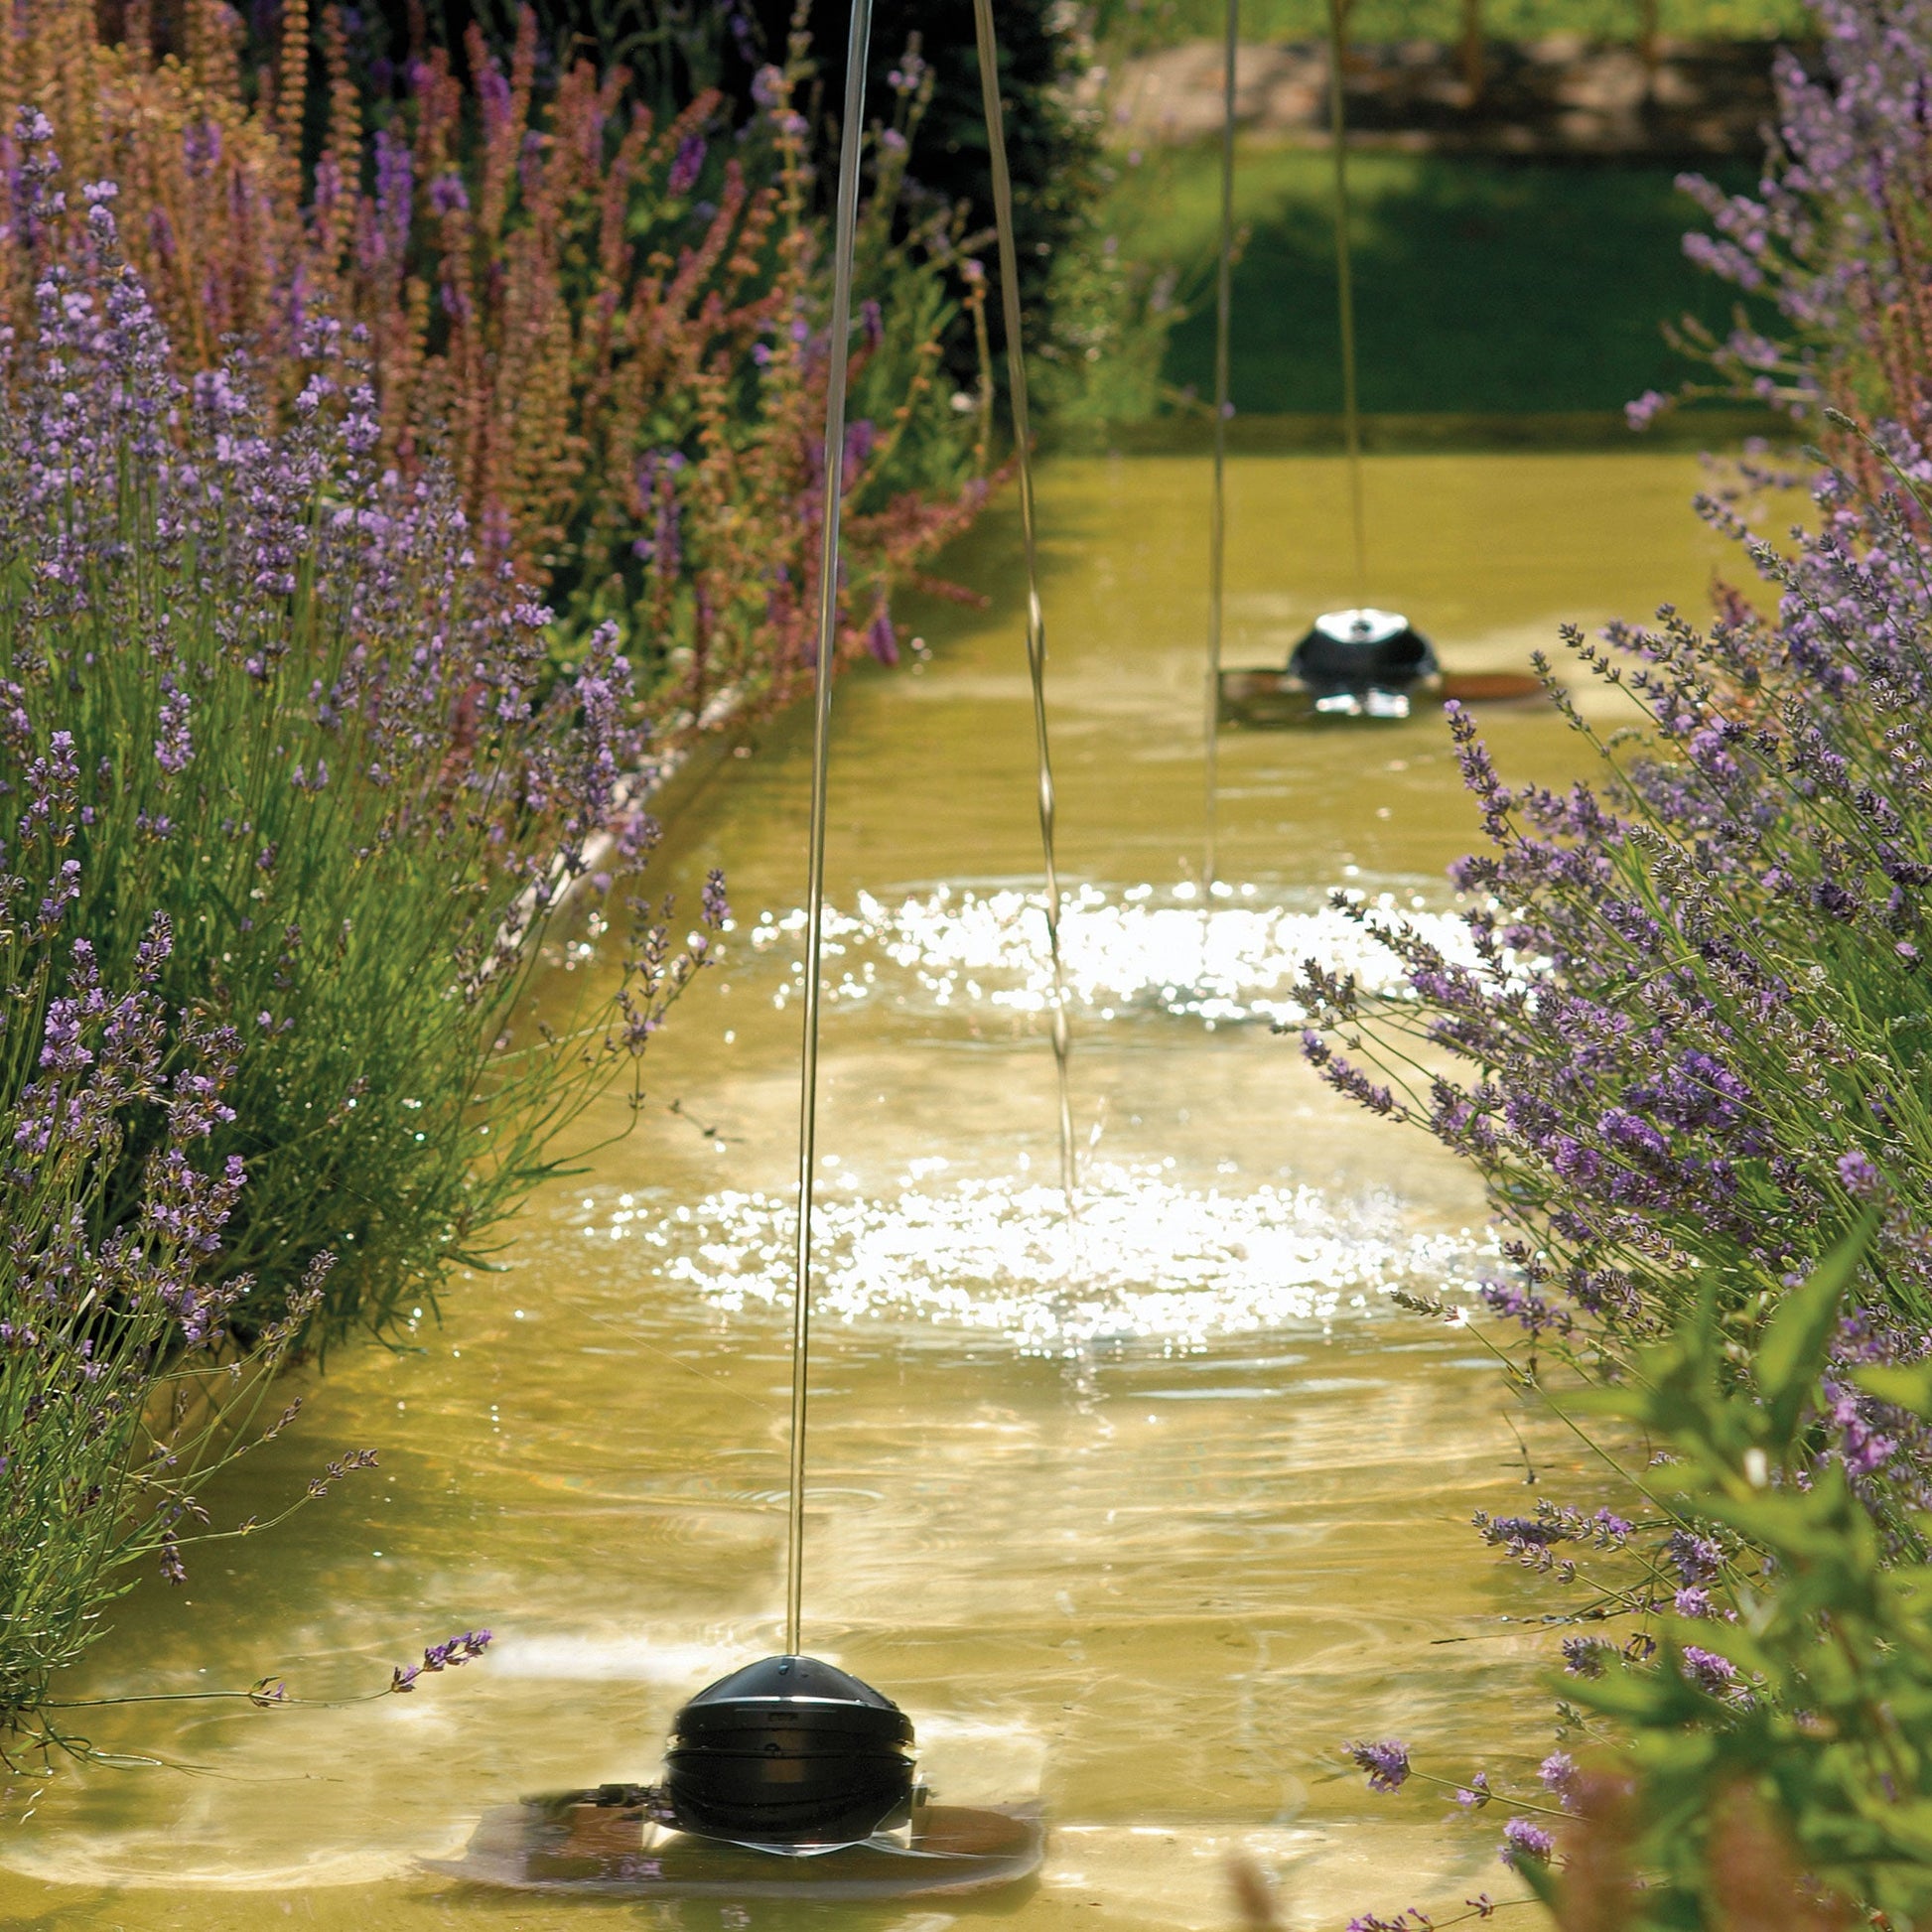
x,y
1631,1400
1904,1388
1785,1525
1540,1880
1793,1347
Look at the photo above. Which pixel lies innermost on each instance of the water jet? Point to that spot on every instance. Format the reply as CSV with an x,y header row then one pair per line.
x,y
1356,664
791,1757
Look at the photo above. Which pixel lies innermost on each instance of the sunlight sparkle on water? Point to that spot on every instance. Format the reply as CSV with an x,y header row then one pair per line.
x,y
1147,1260
1239,961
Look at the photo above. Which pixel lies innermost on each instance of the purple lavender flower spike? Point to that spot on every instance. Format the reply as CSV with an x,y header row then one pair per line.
x,y
1646,409
1717,1676
1583,1656
881,637
1386,1763
1558,1776
1859,1176
1525,1843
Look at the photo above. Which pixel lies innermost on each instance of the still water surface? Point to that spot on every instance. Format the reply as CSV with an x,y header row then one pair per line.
x,y
1142,1519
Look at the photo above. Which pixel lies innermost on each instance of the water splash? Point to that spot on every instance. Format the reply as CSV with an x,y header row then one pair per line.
x,y
1149,1259
1237,959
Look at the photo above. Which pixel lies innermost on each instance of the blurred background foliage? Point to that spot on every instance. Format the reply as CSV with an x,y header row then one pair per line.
x,y
1488,285
676,49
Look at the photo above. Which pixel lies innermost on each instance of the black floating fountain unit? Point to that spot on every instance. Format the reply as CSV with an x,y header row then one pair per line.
x,y
1364,663
789,1752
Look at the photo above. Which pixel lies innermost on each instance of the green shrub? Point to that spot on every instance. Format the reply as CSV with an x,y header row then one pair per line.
x,y
1811,1704
1748,1694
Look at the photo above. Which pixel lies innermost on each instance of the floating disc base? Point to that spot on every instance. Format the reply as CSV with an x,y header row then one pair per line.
x,y
1273,699
581,1841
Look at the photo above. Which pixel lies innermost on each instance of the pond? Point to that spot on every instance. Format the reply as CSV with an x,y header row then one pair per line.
x,y
1142,1517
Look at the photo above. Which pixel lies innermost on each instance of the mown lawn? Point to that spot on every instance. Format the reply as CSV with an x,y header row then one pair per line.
x,y
1481,286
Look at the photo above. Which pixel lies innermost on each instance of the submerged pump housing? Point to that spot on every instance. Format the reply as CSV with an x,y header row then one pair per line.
x,y
1363,661
790,1752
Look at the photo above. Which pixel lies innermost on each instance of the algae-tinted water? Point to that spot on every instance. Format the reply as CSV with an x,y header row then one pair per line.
x,y
1144,1518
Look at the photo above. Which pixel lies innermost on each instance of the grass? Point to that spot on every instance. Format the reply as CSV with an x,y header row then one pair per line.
x,y
1137,24
1481,286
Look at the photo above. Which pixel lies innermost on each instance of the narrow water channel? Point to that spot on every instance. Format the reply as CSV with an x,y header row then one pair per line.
x,y
1142,1518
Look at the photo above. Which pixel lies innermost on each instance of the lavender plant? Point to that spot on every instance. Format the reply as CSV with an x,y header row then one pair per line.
x,y
255,687
1837,236
1693,1038
1696,1023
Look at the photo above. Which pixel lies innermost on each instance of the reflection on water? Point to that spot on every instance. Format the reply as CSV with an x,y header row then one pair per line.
x,y
1236,958
1143,1259
1145,1256
1143,1515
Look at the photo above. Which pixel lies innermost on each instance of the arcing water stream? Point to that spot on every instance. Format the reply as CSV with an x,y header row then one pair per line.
x,y
1143,1515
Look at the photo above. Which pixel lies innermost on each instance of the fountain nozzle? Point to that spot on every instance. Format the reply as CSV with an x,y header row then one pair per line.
x,y
792,1754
